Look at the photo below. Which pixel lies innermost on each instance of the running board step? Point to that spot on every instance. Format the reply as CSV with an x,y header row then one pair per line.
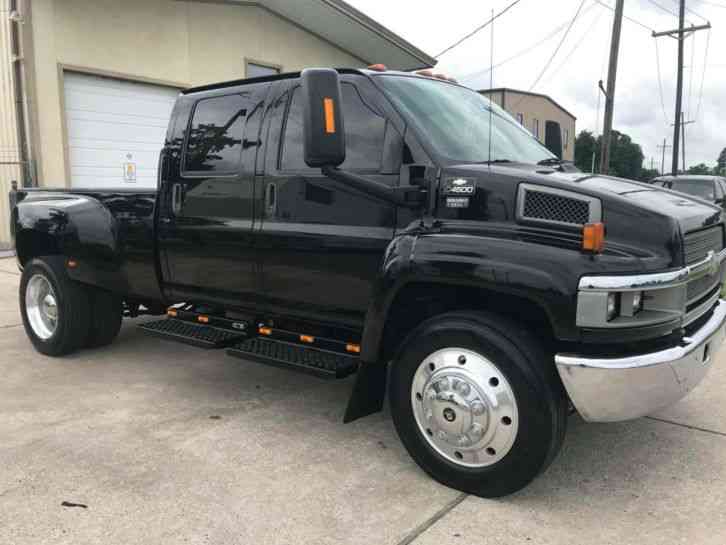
x,y
322,363
202,336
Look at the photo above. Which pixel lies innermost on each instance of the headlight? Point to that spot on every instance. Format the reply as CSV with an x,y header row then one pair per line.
x,y
613,305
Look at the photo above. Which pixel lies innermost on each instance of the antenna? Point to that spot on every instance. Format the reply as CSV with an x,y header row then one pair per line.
x,y
491,86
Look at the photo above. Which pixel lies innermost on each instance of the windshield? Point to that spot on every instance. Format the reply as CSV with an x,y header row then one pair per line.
x,y
697,188
456,122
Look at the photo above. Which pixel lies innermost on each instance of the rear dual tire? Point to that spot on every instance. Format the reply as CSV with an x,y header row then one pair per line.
x,y
476,402
60,315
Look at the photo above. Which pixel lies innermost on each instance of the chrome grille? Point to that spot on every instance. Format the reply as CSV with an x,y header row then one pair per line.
x,y
698,243
698,287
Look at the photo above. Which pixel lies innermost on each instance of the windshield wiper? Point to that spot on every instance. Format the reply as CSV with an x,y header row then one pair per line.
x,y
550,161
493,162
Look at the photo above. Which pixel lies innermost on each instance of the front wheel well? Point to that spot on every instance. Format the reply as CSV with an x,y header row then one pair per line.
x,y
418,302
30,243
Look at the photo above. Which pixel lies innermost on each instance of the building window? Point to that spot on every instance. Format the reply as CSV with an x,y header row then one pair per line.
x,y
258,70
365,131
566,138
520,118
535,128
214,142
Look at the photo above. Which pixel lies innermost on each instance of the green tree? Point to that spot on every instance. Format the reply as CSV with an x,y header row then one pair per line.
x,y
626,157
721,163
585,145
700,168
647,174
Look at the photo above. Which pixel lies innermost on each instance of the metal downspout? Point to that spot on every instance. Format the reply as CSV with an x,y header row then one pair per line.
x,y
21,97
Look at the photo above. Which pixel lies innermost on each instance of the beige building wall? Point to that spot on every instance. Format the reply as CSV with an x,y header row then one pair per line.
x,y
533,107
9,150
159,41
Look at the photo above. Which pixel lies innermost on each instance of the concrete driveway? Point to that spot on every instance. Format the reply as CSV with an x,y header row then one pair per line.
x,y
164,443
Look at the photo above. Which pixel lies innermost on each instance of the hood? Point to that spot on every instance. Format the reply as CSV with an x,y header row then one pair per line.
x,y
691,213
641,220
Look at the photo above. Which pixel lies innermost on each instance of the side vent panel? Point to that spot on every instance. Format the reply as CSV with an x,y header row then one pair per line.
x,y
555,206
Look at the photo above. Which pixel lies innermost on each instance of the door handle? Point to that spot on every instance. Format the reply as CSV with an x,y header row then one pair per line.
x,y
176,199
271,199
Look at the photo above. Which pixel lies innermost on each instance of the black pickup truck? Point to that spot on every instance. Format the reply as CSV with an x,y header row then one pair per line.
x,y
402,228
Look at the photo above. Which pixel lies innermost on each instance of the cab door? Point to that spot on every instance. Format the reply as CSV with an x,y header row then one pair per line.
x,y
322,243
206,236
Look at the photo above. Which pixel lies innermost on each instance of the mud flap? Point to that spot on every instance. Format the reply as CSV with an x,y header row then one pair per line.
x,y
368,393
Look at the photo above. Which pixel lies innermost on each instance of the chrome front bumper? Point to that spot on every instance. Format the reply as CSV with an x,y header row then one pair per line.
x,y
614,389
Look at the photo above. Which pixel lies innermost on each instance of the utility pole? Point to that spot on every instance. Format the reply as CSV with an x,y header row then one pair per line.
x,y
683,139
663,146
610,92
680,35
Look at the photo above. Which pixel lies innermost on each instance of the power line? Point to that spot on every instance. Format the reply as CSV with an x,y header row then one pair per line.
x,y
571,53
557,49
713,4
689,10
656,4
524,51
478,29
660,83
635,21
703,74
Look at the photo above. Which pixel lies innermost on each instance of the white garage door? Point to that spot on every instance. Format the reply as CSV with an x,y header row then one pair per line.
x,y
115,130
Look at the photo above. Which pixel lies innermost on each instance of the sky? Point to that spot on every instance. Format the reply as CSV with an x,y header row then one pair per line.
x,y
526,37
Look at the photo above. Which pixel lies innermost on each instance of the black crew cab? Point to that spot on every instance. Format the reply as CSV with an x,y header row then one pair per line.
x,y
403,228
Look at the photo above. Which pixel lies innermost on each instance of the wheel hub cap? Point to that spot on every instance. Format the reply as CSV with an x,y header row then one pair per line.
x,y
41,306
464,407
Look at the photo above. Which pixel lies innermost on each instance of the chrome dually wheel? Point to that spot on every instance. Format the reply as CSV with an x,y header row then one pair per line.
x,y
53,306
41,306
464,407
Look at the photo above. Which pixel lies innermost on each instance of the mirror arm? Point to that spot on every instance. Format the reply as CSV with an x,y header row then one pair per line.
x,y
409,196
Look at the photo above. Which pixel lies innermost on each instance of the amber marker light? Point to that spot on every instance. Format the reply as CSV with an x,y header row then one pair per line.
x,y
203,319
378,67
172,312
354,348
265,331
307,339
72,263
329,107
593,237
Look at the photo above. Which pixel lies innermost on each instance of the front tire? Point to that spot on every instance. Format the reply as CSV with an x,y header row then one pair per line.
x,y
476,402
54,308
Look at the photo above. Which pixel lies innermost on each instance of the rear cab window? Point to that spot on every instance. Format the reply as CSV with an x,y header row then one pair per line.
x,y
214,139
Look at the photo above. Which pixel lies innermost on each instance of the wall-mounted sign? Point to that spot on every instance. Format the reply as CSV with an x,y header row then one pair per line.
x,y
129,172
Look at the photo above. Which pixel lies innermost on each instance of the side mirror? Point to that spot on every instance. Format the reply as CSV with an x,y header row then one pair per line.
x,y
553,138
323,129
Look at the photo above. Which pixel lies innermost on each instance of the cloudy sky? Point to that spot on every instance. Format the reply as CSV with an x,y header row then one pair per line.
x,y
526,37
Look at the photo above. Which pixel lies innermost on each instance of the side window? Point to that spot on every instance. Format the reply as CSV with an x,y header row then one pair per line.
x,y
365,131
719,190
214,142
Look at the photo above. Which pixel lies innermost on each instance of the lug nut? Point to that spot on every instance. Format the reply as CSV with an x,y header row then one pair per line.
x,y
478,408
463,388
